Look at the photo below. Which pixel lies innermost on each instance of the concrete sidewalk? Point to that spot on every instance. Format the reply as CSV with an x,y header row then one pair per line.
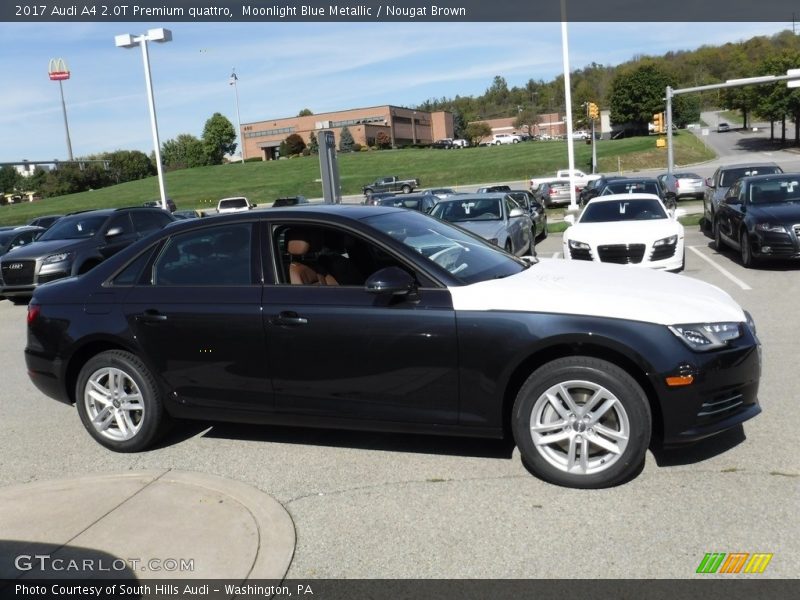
x,y
148,525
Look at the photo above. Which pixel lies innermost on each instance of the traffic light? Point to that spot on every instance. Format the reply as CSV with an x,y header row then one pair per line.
x,y
658,123
593,111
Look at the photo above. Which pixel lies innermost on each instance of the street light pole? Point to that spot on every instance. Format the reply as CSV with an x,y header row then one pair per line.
x,y
126,40
233,81
58,72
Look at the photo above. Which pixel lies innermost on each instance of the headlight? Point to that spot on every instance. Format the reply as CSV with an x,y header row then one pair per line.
x,y
576,245
707,336
773,227
57,258
667,241
750,322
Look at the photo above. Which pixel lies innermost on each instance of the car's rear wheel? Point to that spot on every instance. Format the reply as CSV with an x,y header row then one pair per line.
x,y
406,189
119,402
582,422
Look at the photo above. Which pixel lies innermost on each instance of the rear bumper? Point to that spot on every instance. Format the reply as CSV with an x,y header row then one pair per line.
x,y
46,374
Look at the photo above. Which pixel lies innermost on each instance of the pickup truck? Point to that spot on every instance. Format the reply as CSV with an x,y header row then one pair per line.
x,y
391,184
581,178
236,204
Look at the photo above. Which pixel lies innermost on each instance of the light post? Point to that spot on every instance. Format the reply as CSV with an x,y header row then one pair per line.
x,y
127,40
57,70
233,81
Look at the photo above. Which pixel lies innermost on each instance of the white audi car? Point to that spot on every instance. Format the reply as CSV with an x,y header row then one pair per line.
x,y
627,229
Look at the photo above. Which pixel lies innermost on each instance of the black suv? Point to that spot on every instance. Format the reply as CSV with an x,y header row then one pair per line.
x,y
75,244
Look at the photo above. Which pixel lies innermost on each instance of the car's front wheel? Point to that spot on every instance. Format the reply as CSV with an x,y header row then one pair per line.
x,y
582,422
746,250
119,402
717,236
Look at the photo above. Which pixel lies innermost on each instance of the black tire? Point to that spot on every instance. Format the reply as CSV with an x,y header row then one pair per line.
x,y
717,236
582,376
87,266
19,300
508,247
746,251
406,189
544,230
150,422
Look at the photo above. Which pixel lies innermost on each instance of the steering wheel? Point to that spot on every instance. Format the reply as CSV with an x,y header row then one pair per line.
x,y
448,258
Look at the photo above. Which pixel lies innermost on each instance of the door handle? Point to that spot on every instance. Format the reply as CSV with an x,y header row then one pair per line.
x,y
289,318
152,316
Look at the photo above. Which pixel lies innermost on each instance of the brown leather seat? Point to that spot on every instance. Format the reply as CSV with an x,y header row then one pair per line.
x,y
300,243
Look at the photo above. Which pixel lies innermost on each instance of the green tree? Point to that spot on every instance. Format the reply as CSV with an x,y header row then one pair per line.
x,y
475,132
346,140
305,113
526,120
219,138
313,143
129,165
9,179
638,93
184,152
294,144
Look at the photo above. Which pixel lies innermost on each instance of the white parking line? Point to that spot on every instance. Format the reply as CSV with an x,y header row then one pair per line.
x,y
722,270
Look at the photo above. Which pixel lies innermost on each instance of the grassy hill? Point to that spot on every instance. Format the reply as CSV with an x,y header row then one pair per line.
x,y
262,182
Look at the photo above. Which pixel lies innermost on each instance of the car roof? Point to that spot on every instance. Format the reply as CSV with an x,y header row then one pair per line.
x,y
110,211
470,196
748,165
768,176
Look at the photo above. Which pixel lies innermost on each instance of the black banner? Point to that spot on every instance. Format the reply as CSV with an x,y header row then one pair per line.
x,y
710,588
532,11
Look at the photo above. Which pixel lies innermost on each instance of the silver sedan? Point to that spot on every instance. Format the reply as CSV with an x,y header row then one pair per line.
x,y
495,217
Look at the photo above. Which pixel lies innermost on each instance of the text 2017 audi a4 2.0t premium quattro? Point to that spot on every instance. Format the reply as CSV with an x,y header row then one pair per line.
x,y
388,319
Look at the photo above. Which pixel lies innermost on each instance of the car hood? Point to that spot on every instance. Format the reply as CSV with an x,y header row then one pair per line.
x,y
601,290
486,229
788,213
40,249
624,232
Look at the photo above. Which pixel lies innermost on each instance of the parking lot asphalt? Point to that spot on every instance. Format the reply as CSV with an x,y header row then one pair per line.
x,y
369,505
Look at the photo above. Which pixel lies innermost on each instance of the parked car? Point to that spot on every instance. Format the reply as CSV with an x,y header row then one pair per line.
x,y
581,179
45,221
683,184
553,193
760,217
441,193
18,237
421,202
723,127
391,184
171,206
289,201
724,177
234,204
460,143
495,217
491,189
535,211
505,138
374,198
640,185
187,214
594,187
444,333
74,245
445,144
629,229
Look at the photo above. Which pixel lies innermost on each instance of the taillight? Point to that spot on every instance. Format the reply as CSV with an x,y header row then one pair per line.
x,y
33,313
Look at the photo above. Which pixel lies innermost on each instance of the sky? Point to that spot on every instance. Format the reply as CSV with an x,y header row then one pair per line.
x,y
283,68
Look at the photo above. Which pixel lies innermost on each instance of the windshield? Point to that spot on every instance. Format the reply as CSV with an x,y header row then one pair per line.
x,y
468,258
775,191
76,227
623,210
233,203
687,176
730,176
471,209
631,187
401,202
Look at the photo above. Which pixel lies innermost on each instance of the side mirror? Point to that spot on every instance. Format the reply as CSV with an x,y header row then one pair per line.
x,y
570,219
710,182
516,212
114,232
392,281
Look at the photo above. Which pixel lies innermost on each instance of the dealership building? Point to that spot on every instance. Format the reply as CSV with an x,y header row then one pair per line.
x,y
402,126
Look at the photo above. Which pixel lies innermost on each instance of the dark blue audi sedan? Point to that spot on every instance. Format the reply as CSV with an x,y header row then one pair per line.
x,y
388,319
